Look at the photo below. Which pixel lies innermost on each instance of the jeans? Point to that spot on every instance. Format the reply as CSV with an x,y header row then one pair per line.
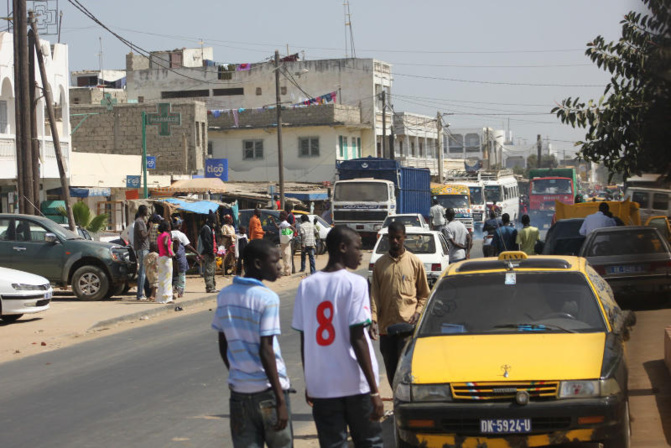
x,y
141,274
253,417
210,264
310,252
390,348
333,415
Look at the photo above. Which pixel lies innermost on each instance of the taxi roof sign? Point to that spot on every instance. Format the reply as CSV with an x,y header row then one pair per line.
x,y
513,255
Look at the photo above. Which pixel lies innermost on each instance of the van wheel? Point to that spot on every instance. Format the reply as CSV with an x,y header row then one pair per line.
x,y
623,440
90,283
10,318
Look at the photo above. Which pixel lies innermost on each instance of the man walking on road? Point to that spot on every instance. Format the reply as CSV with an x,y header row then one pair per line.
x,y
528,236
307,234
141,246
248,321
399,290
597,220
286,236
208,241
437,213
341,376
458,237
505,237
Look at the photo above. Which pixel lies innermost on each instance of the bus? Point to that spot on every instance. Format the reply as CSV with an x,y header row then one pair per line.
x,y
502,189
457,197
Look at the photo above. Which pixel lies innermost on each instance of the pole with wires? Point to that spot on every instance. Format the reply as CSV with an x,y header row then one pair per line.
x,y
278,104
439,128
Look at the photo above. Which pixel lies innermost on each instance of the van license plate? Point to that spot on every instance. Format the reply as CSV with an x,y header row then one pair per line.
x,y
627,269
505,426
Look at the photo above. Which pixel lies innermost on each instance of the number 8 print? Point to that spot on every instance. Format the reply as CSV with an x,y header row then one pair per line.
x,y
325,324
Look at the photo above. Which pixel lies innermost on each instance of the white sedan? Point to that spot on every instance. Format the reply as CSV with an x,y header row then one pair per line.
x,y
22,293
429,246
408,220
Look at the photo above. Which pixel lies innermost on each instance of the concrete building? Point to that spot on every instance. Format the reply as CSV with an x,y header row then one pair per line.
x,y
313,138
118,130
56,62
98,87
355,82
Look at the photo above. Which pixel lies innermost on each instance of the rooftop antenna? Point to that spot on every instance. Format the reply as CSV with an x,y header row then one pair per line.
x,y
100,62
349,34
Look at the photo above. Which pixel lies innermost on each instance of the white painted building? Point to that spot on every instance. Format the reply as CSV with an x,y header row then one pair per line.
x,y
313,138
56,62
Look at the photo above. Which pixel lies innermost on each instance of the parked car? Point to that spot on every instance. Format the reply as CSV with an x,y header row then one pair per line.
x,y
408,219
564,237
22,293
429,246
40,246
515,351
634,260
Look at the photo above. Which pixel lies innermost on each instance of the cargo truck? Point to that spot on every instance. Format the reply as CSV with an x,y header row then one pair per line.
x,y
367,190
547,185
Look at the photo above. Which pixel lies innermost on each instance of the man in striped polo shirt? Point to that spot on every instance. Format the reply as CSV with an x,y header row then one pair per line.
x,y
248,319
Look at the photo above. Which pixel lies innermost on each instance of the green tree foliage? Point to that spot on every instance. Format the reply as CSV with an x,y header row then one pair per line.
x,y
628,128
85,219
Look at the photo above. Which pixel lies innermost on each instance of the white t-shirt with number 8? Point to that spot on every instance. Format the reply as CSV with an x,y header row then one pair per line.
x,y
327,305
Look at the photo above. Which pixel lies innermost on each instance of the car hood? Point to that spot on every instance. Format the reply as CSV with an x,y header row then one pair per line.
x,y
528,357
15,276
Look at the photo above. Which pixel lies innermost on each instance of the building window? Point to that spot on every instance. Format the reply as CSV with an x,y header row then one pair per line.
x,y
175,60
283,90
342,143
412,149
456,143
228,92
358,148
308,147
259,91
185,94
472,143
4,121
252,149
210,148
421,149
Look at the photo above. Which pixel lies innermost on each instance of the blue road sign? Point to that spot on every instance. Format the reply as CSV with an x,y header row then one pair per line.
x,y
133,181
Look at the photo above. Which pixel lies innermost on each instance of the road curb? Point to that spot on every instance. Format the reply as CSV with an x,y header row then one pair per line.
x,y
161,309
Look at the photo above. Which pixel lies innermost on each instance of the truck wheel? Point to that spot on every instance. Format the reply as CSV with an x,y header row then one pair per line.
x,y
90,283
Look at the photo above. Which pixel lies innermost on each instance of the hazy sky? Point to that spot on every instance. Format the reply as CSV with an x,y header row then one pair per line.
x,y
480,61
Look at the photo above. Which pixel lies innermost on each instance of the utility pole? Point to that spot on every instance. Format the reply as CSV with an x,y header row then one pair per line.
x,y
34,142
439,127
22,95
48,97
384,124
539,145
278,104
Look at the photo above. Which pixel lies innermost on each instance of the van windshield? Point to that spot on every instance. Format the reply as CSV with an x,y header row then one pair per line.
x,y
361,192
453,200
493,193
477,198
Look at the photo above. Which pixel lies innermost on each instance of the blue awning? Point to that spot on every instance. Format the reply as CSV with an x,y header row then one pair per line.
x,y
83,192
200,207
306,197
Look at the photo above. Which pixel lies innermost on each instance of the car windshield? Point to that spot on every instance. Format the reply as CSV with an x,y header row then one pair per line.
x,y
551,186
453,200
476,195
65,233
493,193
504,302
415,243
408,221
631,242
361,192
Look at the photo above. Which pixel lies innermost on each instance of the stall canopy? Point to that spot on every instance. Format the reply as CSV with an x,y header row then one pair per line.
x,y
200,207
307,197
83,192
202,185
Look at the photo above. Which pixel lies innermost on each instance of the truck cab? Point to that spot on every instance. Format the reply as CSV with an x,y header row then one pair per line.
x,y
363,204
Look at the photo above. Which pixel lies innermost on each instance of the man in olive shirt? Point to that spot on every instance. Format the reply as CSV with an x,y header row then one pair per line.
x,y
528,236
398,293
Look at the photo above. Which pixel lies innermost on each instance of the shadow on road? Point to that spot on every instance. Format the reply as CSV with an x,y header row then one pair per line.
x,y
661,388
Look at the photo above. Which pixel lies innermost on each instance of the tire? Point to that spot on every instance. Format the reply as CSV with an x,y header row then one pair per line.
x,y
115,290
11,318
623,438
90,283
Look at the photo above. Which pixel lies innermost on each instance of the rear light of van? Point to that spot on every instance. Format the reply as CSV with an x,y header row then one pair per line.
x,y
436,267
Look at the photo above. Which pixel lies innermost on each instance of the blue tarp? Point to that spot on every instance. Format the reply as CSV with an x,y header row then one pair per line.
x,y
200,207
306,197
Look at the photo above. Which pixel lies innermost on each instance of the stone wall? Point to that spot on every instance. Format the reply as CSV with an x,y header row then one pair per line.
x,y
119,131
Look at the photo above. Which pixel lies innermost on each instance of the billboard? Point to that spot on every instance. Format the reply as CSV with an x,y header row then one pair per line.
x,y
217,168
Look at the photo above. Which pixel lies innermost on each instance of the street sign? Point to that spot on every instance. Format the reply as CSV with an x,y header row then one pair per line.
x,y
217,168
133,181
151,162
164,119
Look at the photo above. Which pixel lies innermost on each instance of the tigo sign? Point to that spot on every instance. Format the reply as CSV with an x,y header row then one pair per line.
x,y
217,168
